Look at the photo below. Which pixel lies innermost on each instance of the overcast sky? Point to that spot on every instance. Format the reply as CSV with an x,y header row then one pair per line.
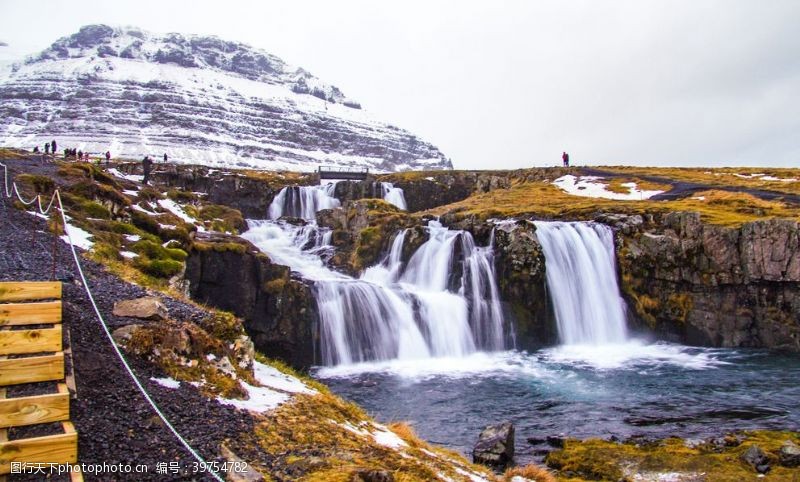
x,y
503,84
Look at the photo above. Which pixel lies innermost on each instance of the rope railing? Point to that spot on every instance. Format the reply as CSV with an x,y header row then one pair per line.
x,y
12,190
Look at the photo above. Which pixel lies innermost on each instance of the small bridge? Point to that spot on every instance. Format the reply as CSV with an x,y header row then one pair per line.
x,y
345,173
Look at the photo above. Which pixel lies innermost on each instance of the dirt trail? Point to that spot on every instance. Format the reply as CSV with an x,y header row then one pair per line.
x,y
684,189
115,424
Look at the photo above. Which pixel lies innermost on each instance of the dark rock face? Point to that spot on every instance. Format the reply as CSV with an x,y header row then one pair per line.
x,y
279,311
757,459
520,269
250,195
495,446
429,190
714,286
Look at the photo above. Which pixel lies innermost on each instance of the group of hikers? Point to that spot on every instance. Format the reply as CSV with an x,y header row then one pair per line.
x,y
79,155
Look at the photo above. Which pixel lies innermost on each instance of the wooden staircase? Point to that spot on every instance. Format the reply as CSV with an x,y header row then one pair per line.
x,y
31,351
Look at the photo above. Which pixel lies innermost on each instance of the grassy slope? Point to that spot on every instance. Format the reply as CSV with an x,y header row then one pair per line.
x,y
541,199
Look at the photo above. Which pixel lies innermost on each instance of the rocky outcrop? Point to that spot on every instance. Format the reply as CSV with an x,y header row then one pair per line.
x,y
279,311
251,195
495,446
712,285
432,189
145,308
520,269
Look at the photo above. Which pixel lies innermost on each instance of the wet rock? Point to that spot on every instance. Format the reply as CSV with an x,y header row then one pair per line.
x,y
123,334
495,446
536,440
372,476
249,474
756,458
145,308
556,441
790,454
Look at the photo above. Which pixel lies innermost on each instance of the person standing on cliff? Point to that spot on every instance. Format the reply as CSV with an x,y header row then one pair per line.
x,y
147,164
565,159
53,147
108,157
165,158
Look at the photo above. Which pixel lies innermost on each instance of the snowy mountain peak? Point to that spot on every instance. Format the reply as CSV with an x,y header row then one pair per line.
x,y
199,99
190,51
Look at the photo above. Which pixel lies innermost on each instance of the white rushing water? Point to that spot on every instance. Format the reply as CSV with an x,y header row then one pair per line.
x,y
394,195
444,303
582,282
303,201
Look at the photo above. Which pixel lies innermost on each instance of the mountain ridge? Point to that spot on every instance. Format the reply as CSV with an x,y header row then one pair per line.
x,y
199,99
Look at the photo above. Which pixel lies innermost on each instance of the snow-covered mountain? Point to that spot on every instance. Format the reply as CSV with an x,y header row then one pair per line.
x,y
200,100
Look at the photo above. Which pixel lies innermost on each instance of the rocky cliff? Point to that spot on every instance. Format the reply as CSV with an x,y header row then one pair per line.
x,y
710,285
199,99
279,311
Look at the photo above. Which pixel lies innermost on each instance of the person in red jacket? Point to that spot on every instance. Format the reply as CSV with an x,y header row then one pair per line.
x,y
565,158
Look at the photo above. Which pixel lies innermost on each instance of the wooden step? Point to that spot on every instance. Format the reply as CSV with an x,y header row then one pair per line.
x,y
57,449
31,369
13,314
21,342
52,407
29,290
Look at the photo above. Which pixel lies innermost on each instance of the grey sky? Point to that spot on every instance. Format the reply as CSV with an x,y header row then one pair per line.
x,y
502,84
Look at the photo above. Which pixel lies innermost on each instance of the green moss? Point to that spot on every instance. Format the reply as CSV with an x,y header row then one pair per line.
x,y
595,459
220,247
182,196
275,286
157,252
160,268
38,184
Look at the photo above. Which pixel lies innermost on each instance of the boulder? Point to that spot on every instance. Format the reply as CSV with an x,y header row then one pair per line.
x,y
756,458
372,476
495,446
123,334
790,454
145,308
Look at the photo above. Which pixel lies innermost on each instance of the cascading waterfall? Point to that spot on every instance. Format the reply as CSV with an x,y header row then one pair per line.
x,y
394,195
444,303
303,201
582,281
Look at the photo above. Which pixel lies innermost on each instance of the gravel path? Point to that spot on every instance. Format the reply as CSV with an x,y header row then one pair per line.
x,y
683,189
114,422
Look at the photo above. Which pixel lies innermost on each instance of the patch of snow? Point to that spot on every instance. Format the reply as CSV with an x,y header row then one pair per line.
x,y
167,382
699,198
133,237
260,399
590,186
387,438
167,226
128,254
130,177
173,207
128,192
429,178
79,237
274,378
471,475
143,210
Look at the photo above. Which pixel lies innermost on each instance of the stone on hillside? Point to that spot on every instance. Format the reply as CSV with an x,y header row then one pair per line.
x,y
790,454
756,458
372,476
495,446
123,334
145,308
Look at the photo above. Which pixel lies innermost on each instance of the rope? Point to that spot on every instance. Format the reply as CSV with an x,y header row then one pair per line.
x,y
60,207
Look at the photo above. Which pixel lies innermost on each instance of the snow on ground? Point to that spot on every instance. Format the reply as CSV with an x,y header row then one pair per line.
x,y
133,237
274,378
277,389
128,192
260,399
387,438
130,177
764,177
175,209
128,254
591,186
79,237
167,382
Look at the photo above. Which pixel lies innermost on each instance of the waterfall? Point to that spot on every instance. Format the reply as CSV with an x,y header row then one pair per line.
x,y
303,201
394,195
582,281
443,303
